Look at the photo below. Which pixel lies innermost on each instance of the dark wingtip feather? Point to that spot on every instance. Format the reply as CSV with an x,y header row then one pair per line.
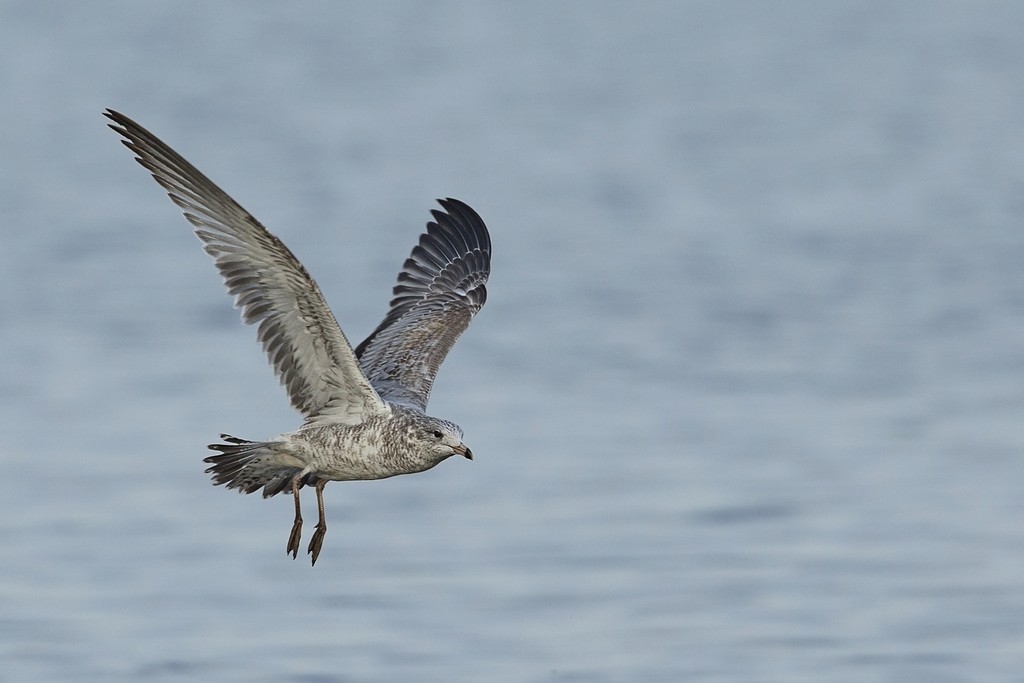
x,y
468,220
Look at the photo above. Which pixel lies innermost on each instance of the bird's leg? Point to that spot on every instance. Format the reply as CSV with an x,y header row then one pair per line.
x,y
293,539
321,525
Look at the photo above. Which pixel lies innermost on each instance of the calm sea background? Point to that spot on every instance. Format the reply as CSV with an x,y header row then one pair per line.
x,y
747,398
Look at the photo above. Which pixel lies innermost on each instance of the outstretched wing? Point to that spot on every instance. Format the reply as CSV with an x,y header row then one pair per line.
x,y
308,350
439,290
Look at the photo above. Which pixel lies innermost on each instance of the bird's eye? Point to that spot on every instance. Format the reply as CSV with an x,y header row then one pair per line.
x,y
437,434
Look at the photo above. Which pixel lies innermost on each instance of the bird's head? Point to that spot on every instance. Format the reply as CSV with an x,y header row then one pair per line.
x,y
442,439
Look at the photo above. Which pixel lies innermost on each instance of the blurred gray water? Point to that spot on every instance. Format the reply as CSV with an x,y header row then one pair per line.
x,y
746,399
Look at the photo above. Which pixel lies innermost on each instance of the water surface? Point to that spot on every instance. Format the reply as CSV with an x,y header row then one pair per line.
x,y
746,398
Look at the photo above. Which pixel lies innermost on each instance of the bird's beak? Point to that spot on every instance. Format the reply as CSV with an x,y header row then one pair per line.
x,y
464,451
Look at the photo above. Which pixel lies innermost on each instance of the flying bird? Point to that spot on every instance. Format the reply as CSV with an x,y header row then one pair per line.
x,y
364,409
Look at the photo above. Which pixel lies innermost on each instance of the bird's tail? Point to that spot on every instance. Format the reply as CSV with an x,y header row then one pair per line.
x,y
247,466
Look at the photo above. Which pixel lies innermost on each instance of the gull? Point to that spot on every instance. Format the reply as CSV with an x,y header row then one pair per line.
x,y
364,409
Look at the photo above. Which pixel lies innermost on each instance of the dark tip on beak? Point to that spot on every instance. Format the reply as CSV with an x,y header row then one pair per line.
x,y
464,451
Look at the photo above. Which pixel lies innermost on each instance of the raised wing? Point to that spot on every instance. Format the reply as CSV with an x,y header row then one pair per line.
x,y
308,350
440,288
